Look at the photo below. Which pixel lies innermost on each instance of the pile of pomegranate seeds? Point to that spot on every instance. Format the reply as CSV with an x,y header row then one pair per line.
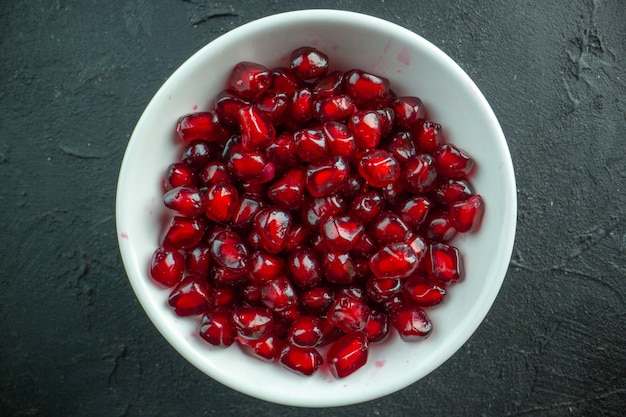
x,y
314,211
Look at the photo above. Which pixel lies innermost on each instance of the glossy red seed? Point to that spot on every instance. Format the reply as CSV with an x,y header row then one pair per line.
x,y
366,89
178,174
452,162
223,277
306,331
355,291
395,193
297,235
401,146
377,327
278,294
423,292
304,267
317,209
252,167
366,127
444,263
282,150
414,210
367,205
317,300
167,266
257,131
379,168
330,84
387,120
217,328
266,348
428,136
198,260
220,202
201,125
273,104
338,268
411,322
340,139
183,232
287,191
214,173
229,251
396,260
262,267
304,361
249,205
189,297
438,227
272,226
450,191
308,63
310,144
251,293
388,227
249,79
365,246
349,314
198,153
224,297
341,233
333,108
301,107
347,355
284,81
409,111
419,174
467,215
327,176
253,323
381,290
227,105
185,200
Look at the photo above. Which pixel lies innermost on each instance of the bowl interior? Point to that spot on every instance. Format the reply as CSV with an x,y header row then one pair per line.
x,y
415,67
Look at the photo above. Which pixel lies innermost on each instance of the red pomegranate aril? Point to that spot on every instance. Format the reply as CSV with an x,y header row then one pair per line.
x,y
317,300
287,191
253,323
366,89
428,136
257,132
396,260
452,162
438,227
387,120
355,291
452,190
415,210
377,327
362,268
251,294
305,361
395,193
353,186
227,105
185,200
183,232
229,251
266,348
338,268
444,263
224,297
341,233
198,153
217,328
420,248
272,225
349,314
330,84
409,111
252,167
189,297
466,216
333,108
223,277
340,139
347,355
283,150
250,79
394,303
167,266
220,202
366,127
308,63
419,174
327,176
284,81
310,144
379,168
274,105
201,125
301,107
317,209
411,323
304,267
366,206
422,292
297,235
381,290
307,332
388,227
278,294
249,205
214,173
178,174
365,246
401,146
198,260
262,267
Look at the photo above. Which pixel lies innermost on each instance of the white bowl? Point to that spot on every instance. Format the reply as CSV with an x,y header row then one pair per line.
x,y
415,67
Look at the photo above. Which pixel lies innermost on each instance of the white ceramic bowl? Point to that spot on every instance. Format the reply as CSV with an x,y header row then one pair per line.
x,y
415,67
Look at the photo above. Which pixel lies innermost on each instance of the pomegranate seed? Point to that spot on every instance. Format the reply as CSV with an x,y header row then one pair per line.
x,y
283,151
388,227
305,361
220,202
287,192
198,153
414,210
189,297
251,294
347,355
229,251
422,292
354,291
252,167
167,266
381,290
394,193
326,177
367,205
272,225
266,348
466,216
366,89
329,85
387,120
308,63
224,277
401,146
249,79
438,227
306,332
284,81
341,233
349,314
198,261
310,144
317,209
183,232
273,104
262,267
420,174
249,205
365,246
214,173
223,297
340,139
444,263
253,323
411,322
396,260
333,108
227,105
377,327
317,300
452,162
409,111
338,268
367,128
178,174
379,168
201,125
257,132
452,190
297,235
217,328
278,294
428,136
304,267
301,106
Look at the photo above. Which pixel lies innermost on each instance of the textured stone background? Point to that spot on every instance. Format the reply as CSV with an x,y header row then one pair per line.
x,y
74,78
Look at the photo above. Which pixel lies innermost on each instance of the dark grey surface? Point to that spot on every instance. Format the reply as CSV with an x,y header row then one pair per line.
x,y
74,78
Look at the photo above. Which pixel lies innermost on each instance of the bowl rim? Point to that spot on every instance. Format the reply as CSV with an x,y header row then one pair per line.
x,y
355,18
